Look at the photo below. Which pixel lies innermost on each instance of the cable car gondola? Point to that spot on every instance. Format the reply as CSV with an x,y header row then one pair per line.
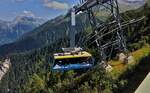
x,y
72,59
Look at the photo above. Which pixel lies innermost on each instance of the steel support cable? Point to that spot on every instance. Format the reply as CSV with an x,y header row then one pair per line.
x,y
92,32
89,35
110,24
111,47
89,38
99,33
104,27
114,30
106,46
110,43
103,36
95,35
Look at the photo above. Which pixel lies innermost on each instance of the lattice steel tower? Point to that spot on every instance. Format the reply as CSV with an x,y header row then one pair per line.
x,y
103,37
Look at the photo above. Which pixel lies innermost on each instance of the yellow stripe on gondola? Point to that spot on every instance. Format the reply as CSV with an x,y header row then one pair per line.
x,y
79,55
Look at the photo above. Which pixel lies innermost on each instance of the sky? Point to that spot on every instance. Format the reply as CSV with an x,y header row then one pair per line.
x,y
46,9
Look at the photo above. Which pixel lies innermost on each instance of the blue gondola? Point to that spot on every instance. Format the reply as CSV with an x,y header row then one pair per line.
x,y
72,61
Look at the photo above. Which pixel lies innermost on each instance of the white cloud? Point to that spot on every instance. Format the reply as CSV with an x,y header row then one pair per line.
x,y
28,13
56,5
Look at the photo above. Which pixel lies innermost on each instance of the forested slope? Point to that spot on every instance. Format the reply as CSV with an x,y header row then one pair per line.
x,y
30,71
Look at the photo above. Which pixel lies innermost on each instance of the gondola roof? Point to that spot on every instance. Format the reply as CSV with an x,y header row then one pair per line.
x,y
70,55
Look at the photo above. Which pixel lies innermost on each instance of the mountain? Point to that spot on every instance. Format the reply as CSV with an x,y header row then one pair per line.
x,y
47,33
12,30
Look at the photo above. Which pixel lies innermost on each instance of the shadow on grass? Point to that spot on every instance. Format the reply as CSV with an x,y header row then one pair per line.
x,y
135,76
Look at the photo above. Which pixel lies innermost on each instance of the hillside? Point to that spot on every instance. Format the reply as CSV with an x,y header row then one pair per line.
x,y
30,71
